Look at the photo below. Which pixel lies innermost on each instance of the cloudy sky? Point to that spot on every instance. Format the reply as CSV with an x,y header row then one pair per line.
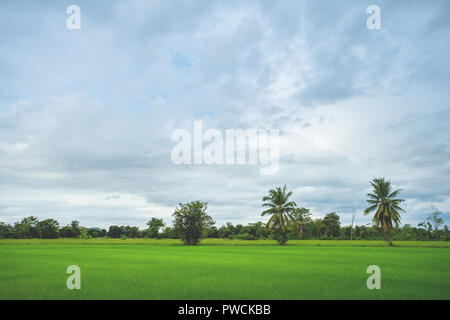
x,y
86,116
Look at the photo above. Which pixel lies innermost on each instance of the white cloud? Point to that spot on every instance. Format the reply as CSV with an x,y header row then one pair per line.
x,y
86,120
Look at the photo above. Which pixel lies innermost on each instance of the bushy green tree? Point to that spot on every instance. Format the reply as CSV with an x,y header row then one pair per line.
x,y
427,227
300,218
48,229
212,232
132,232
76,229
191,221
114,232
94,232
227,231
318,228
6,231
333,225
66,232
27,228
154,225
168,233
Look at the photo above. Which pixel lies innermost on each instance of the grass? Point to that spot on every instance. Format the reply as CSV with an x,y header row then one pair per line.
x,y
127,269
229,242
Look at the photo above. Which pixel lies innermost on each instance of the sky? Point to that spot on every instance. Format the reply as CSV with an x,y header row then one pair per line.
x,y
87,115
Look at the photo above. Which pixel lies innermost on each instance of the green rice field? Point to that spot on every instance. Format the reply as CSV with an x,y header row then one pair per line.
x,y
223,269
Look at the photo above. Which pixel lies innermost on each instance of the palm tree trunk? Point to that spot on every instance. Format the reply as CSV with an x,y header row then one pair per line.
x,y
283,239
390,241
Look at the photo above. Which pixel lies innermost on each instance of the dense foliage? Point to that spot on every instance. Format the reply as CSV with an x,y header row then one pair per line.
x,y
286,222
191,221
320,228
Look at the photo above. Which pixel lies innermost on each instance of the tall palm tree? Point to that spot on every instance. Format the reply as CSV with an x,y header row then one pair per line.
x,y
280,209
382,199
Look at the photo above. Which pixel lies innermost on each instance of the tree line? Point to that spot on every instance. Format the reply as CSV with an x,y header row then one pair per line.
x,y
326,228
287,222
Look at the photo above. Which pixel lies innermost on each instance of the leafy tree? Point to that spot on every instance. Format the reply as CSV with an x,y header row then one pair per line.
x,y
168,232
387,208
212,232
114,232
301,217
132,232
3,227
333,226
238,228
191,221
259,230
280,210
66,232
153,227
27,228
125,232
48,229
362,232
6,230
435,218
94,232
226,231
319,228
245,236
427,226
76,230
83,233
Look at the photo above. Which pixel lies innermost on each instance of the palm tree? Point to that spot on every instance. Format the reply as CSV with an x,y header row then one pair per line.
x,y
280,209
383,200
